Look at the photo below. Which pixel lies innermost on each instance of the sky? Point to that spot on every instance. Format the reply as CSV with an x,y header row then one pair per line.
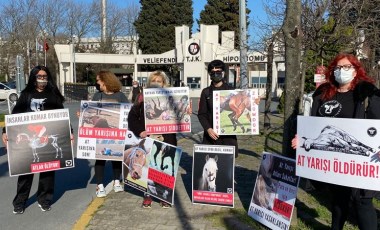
x,y
256,7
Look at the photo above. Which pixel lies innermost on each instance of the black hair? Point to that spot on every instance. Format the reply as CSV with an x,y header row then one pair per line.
x,y
50,87
216,64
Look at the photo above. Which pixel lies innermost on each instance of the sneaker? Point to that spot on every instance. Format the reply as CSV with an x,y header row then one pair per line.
x,y
44,208
18,210
147,203
165,205
118,188
100,192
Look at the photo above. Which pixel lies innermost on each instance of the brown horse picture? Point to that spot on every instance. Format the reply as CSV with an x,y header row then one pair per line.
x,y
237,105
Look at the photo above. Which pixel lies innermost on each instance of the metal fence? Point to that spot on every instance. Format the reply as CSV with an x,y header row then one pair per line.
x,y
75,92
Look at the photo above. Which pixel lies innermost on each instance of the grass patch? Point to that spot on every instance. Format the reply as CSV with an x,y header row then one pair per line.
x,y
219,219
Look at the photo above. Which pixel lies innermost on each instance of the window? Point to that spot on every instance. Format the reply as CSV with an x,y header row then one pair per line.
x,y
258,67
194,82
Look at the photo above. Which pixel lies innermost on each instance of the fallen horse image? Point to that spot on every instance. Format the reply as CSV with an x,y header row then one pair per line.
x,y
334,139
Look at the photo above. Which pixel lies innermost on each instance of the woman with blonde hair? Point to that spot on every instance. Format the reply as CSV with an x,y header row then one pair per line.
x,y
136,122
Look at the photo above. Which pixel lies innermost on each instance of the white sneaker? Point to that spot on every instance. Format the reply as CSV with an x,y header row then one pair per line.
x,y
101,192
118,188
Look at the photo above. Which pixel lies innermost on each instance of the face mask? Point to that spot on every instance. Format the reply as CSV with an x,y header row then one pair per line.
x,y
41,84
217,76
97,86
155,85
134,86
343,76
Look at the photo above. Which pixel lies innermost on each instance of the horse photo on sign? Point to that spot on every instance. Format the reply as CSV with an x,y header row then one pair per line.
x,y
235,112
167,110
152,166
275,192
136,164
213,175
102,130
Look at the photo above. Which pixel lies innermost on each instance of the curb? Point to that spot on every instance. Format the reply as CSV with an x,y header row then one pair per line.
x,y
94,205
87,215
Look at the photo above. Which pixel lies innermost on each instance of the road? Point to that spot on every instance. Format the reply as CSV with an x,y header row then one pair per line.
x,y
75,188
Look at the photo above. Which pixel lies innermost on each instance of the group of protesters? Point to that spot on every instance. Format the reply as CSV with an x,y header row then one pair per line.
x,y
347,85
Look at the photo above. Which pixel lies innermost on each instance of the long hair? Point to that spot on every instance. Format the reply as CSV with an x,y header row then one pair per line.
x,y
332,85
110,80
50,87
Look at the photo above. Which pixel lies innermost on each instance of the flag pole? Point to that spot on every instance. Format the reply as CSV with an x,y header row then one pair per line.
x,y
45,50
36,52
28,53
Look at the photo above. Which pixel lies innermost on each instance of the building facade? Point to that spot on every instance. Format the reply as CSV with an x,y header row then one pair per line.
x,y
191,55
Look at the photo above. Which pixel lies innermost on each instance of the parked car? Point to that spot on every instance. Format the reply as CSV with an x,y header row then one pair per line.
x,y
11,84
7,93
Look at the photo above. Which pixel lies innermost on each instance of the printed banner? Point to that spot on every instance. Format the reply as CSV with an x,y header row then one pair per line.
x,y
152,166
339,151
235,112
167,110
275,192
213,175
102,130
39,142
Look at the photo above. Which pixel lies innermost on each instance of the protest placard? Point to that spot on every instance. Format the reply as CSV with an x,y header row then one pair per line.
x,y
339,151
213,175
151,167
102,130
235,112
167,110
39,142
275,192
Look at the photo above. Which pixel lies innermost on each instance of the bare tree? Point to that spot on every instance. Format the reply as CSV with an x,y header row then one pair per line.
x,y
291,32
81,18
17,25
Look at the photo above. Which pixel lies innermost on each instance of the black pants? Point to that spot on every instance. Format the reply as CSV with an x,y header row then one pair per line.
x,y
45,189
99,170
362,206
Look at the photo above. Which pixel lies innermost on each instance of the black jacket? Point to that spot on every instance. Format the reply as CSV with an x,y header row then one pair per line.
x,y
367,106
205,117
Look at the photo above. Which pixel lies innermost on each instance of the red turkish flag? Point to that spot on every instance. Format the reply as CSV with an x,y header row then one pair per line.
x,y
46,46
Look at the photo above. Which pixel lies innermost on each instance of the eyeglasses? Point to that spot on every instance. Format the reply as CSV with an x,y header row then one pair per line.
x,y
41,77
345,67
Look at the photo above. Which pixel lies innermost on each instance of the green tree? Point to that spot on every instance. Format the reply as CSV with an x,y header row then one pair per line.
x,y
156,23
225,14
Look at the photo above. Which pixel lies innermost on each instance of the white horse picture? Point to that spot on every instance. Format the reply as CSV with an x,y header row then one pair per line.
x,y
208,179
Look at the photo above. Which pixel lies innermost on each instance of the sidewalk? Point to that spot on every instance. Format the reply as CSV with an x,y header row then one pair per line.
x,y
123,210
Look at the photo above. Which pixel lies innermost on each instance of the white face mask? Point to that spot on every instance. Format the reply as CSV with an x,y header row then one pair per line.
x,y
344,76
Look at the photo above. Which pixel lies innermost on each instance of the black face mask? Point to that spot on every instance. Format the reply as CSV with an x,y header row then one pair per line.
x,y
216,76
97,86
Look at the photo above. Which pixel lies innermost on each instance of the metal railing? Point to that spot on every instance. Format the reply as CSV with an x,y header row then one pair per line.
x,y
75,92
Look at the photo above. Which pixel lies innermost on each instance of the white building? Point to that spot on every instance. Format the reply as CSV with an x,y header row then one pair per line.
x,y
191,55
121,45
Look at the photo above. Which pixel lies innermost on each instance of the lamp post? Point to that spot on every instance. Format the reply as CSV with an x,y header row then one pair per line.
x,y
88,67
74,67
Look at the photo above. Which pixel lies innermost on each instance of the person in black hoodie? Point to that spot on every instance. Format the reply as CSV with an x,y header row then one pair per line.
x,y
216,70
40,86
348,93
